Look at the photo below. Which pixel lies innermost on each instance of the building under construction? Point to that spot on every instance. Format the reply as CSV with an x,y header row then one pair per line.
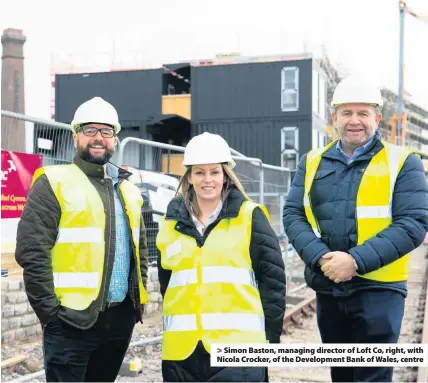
x,y
275,108
414,132
272,108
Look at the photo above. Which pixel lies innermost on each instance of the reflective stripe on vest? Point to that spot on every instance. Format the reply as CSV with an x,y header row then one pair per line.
x,y
373,211
240,322
214,274
212,294
78,254
72,280
373,205
136,234
133,202
80,235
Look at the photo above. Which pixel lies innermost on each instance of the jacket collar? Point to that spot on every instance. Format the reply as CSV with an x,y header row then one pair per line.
x,y
372,149
177,209
97,171
358,150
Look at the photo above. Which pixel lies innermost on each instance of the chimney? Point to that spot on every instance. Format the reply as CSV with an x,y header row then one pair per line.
x,y
12,89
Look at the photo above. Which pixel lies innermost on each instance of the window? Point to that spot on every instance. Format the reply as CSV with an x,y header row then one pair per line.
x,y
319,94
290,139
319,139
322,140
171,89
289,160
290,89
290,147
315,139
322,97
315,102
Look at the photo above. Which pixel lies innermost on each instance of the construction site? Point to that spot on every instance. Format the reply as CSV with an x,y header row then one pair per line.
x,y
270,109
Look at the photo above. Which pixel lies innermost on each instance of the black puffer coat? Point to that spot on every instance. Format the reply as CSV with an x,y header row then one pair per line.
x,y
265,255
333,196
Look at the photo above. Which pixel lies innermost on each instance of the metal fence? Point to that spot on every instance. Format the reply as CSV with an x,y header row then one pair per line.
x,y
53,140
265,184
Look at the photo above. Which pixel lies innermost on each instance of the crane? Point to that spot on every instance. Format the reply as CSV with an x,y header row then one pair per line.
x,y
398,121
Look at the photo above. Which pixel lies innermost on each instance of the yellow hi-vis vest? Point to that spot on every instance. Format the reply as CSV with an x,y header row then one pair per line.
x,y
212,294
374,202
78,254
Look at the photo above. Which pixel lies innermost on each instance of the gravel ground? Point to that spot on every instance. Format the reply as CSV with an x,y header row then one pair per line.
x,y
308,333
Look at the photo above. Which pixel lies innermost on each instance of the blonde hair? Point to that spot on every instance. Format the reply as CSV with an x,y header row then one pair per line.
x,y
186,190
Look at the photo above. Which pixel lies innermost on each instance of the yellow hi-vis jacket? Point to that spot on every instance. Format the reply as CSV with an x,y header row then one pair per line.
x,y
212,294
374,202
78,254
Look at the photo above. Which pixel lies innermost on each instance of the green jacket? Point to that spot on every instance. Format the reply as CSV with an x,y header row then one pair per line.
x,y
37,234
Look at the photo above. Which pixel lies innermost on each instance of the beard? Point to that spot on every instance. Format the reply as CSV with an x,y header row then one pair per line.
x,y
85,154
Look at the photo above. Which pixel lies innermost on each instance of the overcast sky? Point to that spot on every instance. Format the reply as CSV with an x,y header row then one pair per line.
x,y
360,35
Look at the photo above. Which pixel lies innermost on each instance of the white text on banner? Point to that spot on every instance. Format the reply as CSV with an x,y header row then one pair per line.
x,y
312,355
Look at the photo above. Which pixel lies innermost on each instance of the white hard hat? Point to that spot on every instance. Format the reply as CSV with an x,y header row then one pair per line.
x,y
207,148
98,111
355,89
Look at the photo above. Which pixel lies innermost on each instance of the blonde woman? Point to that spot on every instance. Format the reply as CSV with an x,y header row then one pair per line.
x,y
221,271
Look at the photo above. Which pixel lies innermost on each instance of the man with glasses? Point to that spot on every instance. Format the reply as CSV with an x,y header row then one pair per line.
x,y
82,244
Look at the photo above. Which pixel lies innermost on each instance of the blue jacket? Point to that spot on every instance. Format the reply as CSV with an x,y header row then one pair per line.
x,y
333,198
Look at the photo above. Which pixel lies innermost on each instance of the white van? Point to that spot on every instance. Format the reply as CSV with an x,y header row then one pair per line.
x,y
157,190
160,188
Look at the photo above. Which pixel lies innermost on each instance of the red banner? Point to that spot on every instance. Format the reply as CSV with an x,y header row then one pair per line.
x,y
17,171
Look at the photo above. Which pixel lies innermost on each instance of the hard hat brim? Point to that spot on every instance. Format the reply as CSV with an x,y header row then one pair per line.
x,y
231,163
356,102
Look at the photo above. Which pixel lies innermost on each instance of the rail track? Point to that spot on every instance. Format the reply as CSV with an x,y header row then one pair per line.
x,y
300,299
423,371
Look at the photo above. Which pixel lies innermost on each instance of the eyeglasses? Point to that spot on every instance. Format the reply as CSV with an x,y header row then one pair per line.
x,y
90,131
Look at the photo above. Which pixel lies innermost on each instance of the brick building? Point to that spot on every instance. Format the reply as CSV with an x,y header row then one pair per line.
x,y
12,88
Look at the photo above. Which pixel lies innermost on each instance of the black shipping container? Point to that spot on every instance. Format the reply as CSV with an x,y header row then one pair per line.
x,y
257,138
135,94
